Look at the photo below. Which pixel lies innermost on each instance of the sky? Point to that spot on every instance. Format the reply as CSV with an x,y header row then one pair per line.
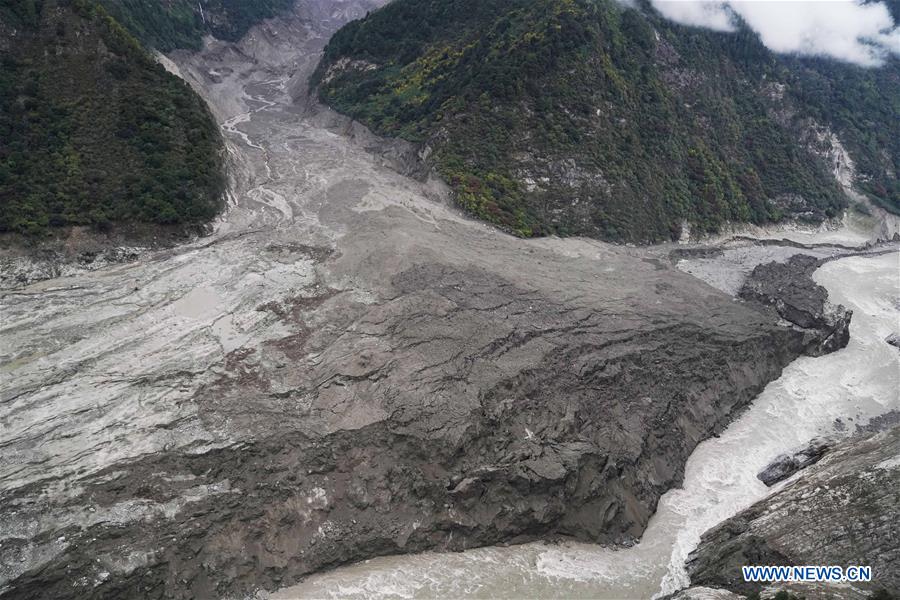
x,y
864,34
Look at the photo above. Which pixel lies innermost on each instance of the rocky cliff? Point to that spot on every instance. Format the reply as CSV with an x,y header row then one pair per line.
x,y
842,511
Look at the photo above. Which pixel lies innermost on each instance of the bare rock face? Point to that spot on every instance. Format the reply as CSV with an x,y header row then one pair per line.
x,y
780,591
788,288
786,465
843,511
704,593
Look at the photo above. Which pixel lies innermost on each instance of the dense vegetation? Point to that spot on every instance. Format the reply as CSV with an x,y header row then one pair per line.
x,y
863,107
586,117
92,130
169,24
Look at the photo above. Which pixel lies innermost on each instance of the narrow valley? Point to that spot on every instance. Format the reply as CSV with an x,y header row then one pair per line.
x,y
352,388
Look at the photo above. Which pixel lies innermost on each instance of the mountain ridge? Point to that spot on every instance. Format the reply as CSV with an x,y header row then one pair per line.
x,y
586,117
95,131
175,24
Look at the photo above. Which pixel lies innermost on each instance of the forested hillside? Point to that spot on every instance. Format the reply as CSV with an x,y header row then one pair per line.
x,y
587,117
92,130
169,24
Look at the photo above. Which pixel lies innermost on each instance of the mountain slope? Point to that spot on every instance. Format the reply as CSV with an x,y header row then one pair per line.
x,y
92,130
586,117
170,24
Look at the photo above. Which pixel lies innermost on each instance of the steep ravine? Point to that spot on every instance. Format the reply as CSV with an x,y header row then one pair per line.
x,y
347,368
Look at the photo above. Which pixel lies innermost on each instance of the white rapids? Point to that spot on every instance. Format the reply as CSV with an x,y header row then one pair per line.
x,y
830,395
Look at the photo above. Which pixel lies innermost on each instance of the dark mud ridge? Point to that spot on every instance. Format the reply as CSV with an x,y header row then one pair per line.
x,y
465,411
894,340
843,511
786,465
789,288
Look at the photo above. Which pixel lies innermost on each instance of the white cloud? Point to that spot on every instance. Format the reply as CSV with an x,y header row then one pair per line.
x,y
847,30
713,15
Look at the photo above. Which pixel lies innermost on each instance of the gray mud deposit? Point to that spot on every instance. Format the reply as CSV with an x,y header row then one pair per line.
x,y
788,288
346,368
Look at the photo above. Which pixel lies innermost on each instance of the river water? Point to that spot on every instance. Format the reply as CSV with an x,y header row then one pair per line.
x,y
831,395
